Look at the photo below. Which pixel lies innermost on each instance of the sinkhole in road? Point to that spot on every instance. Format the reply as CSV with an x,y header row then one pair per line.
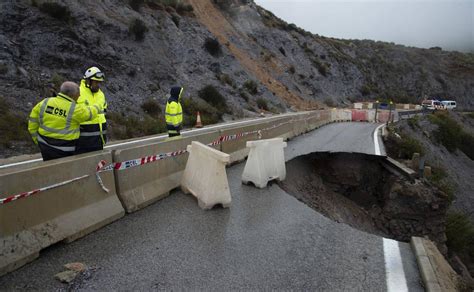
x,y
359,190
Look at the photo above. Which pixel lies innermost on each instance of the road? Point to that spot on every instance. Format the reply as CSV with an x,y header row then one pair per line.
x,y
340,137
266,240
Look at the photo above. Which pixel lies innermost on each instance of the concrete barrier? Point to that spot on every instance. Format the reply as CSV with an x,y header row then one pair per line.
x,y
64,213
281,127
266,162
236,148
317,119
301,123
359,115
371,115
141,186
205,176
383,116
341,115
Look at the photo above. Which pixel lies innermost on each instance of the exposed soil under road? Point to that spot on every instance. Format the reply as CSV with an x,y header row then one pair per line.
x,y
358,190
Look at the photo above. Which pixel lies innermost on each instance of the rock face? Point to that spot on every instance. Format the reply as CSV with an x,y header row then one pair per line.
x,y
146,48
35,45
357,190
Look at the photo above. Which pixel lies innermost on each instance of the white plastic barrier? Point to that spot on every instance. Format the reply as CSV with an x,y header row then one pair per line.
x,y
266,162
371,115
205,176
344,115
358,105
339,115
370,105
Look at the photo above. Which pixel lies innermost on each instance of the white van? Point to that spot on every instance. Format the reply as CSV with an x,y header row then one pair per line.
x,y
431,104
449,104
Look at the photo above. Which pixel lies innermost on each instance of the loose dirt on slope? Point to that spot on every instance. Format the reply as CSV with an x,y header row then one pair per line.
x,y
217,24
359,191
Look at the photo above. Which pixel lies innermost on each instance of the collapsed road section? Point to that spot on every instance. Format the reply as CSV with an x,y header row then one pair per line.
x,y
367,193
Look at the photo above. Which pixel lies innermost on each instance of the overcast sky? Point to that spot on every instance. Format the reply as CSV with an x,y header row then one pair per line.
x,y
420,23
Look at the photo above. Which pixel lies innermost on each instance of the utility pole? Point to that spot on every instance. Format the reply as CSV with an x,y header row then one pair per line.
x,y
376,109
390,113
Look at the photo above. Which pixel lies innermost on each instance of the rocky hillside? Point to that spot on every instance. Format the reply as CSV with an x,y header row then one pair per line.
x,y
446,143
232,57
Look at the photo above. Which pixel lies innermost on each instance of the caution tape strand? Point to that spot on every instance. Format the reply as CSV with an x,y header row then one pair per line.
x,y
12,198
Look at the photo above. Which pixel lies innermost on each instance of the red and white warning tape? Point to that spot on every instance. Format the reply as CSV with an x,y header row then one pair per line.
x,y
103,167
12,198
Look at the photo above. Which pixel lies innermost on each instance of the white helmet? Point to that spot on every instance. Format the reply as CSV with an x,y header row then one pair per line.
x,y
94,73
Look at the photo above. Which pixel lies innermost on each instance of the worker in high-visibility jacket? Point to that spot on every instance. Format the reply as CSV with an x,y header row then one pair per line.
x,y
174,112
94,132
54,122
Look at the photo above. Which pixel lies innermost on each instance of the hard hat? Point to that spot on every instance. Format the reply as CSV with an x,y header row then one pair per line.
x,y
94,73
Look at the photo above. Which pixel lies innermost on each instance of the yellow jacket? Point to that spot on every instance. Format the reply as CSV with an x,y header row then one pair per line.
x,y
90,98
59,118
174,111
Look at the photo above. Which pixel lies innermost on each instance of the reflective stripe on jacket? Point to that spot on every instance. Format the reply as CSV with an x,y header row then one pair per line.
x,y
59,118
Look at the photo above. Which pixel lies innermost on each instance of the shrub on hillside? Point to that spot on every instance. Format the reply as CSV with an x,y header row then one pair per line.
x,y
460,233
209,114
3,69
151,107
323,68
213,47
183,8
175,18
224,5
329,102
262,103
132,126
56,10
138,28
13,126
251,86
226,79
136,4
439,177
413,122
212,96
244,95
451,135
408,146
466,144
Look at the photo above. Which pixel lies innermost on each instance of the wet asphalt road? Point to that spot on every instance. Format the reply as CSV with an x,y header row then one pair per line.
x,y
265,240
338,137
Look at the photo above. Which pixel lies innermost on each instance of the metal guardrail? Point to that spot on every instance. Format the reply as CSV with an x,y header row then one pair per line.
x,y
410,113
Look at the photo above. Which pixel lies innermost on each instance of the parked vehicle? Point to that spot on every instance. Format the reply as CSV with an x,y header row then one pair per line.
x,y
431,104
449,104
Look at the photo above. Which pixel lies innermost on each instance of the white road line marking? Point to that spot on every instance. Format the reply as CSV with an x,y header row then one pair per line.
x,y
395,275
376,140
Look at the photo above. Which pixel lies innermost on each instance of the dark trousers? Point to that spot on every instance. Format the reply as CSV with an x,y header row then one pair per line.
x,y
88,144
173,131
91,143
50,153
